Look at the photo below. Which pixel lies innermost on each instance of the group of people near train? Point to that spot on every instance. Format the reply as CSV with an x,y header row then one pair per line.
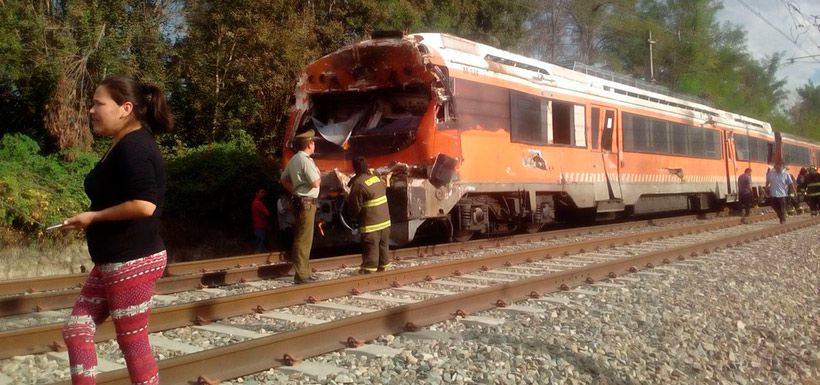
x,y
366,201
784,191
127,188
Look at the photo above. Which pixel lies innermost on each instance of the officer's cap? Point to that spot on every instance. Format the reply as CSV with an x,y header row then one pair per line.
x,y
309,134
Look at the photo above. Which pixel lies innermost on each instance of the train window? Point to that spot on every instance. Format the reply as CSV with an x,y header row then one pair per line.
x,y
796,155
594,126
636,133
580,135
742,147
680,145
695,141
712,144
660,136
568,124
609,131
752,149
481,106
528,116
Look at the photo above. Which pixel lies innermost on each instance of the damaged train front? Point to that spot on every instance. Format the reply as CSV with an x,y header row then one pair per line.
x,y
381,99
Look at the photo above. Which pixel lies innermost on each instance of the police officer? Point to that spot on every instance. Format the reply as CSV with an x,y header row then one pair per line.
x,y
812,182
302,179
368,202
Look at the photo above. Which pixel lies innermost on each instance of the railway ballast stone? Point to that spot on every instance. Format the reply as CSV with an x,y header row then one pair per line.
x,y
745,315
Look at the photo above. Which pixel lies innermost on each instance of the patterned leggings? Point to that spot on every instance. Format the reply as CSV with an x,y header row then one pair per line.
x,y
123,291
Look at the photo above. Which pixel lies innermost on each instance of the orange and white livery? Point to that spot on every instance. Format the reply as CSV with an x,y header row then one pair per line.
x,y
475,140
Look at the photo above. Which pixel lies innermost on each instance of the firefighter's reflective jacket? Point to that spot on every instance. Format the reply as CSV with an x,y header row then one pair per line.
x,y
368,202
813,184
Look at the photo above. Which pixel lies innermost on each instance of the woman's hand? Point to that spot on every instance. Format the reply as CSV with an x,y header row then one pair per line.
x,y
79,221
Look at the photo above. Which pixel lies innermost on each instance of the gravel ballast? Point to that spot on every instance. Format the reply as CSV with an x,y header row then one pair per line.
x,y
747,315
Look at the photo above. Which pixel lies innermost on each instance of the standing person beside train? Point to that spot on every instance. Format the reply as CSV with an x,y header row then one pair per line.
x,y
779,185
261,224
744,188
813,190
368,202
302,179
126,189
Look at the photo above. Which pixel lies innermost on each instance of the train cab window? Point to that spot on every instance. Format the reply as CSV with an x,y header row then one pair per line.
x,y
528,117
594,126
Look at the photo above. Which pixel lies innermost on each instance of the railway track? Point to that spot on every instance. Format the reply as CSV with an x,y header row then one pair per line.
x,y
42,294
469,284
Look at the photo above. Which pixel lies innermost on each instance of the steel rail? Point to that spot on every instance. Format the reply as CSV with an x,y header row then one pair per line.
x,y
63,281
239,269
45,338
256,355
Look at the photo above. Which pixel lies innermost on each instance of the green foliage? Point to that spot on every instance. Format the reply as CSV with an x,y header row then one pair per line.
x,y
214,184
806,112
37,190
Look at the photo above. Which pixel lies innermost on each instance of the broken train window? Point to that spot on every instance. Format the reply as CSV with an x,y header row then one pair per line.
x,y
377,121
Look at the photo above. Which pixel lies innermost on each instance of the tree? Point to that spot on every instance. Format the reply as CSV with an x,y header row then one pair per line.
x,y
806,112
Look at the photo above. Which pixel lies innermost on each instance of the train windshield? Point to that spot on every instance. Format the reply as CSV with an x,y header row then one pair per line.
x,y
377,121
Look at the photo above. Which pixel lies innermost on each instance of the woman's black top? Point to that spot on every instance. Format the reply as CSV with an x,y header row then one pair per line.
x,y
132,170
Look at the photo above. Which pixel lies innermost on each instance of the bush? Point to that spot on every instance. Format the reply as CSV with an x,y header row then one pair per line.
x,y
210,189
37,190
217,182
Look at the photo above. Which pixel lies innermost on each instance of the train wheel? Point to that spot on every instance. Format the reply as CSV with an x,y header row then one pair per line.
x,y
463,235
532,228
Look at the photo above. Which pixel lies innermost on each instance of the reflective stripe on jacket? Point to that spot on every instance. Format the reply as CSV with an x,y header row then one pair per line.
x,y
813,184
368,202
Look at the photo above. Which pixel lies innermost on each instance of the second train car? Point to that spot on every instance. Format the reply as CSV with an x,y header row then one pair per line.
x,y
473,140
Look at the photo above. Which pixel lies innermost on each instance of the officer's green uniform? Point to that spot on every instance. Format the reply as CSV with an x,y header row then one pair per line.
x,y
301,171
367,201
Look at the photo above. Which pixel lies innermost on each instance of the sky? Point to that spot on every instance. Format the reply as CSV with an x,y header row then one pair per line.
x,y
790,26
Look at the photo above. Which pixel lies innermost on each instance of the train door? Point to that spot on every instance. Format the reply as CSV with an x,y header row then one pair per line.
x,y
731,166
604,129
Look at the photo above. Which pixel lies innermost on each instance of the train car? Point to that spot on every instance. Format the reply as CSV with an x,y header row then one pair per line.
x,y
475,140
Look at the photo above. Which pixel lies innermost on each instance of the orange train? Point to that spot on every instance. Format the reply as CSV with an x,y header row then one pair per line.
x,y
475,140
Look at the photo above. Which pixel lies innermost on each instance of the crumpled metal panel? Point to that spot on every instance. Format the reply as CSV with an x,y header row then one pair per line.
x,y
371,64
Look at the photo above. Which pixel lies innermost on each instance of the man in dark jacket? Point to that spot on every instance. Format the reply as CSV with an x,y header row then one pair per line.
x,y
367,201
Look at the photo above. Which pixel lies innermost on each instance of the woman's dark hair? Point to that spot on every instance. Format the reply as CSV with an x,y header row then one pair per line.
x,y
150,106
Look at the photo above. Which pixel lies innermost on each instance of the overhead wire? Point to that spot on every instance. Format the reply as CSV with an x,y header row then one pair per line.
x,y
775,27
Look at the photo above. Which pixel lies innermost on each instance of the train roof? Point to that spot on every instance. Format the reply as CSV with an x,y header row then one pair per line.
x,y
799,140
502,64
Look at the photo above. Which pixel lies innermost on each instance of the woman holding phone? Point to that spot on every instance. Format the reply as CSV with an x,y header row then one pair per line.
x,y
126,189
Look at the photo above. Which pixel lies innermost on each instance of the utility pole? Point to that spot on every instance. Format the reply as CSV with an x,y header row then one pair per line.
x,y
651,63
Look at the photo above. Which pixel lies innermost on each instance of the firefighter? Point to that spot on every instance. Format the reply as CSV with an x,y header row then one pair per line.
x,y
367,202
813,190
